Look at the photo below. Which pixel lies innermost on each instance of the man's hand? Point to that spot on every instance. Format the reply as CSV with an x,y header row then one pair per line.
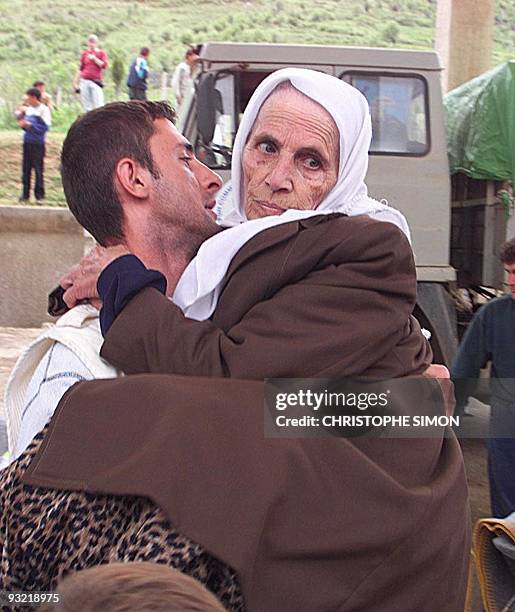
x,y
444,380
437,371
81,281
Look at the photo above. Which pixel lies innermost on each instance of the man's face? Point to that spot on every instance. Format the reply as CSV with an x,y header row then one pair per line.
x,y
291,158
32,101
184,194
192,59
92,44
510,272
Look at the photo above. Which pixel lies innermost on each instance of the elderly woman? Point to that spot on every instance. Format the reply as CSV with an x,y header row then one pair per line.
x,y
346,115
301,289
299,164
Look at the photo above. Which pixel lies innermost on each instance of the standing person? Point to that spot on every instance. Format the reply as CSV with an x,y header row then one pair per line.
x,y
35,121
491,337
182,79
138,73
88,79
46,98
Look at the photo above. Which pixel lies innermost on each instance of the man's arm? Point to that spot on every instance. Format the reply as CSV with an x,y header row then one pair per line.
x,y
473,354
177,83
101,61
76,79
57,371
37,126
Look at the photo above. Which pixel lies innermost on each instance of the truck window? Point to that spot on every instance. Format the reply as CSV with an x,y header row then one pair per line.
x,y
398,108
232,91
217,152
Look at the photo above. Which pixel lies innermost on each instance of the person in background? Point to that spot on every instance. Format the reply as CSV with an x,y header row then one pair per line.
x,y
35,121
46,98
138,73
182,79
491,337
88,79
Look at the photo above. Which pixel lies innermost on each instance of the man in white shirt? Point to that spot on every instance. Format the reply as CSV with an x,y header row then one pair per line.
x,y
149,195
182,80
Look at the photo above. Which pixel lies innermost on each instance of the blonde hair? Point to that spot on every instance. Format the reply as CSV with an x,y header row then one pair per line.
x,y
120,587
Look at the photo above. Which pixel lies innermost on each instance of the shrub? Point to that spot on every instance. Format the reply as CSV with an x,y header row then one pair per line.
x,y
186,38
117,71
391,33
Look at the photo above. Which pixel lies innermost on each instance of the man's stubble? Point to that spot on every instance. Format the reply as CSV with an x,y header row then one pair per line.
x,y
179,224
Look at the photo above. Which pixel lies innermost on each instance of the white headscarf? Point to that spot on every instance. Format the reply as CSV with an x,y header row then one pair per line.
x,y
349,109
199,286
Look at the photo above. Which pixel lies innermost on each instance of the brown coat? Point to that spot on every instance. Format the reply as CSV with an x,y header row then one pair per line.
x,y
308,524
318,524
328,296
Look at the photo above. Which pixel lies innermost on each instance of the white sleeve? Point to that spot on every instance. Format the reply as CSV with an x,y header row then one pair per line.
x,y
176,81
46,115
59,369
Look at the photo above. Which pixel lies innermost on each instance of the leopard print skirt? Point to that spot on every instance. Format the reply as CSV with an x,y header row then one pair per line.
x,y
46,534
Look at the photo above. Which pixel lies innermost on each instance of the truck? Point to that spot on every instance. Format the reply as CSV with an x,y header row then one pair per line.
x,y
408,159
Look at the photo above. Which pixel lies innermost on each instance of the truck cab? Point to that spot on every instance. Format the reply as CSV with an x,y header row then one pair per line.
x,y
408,164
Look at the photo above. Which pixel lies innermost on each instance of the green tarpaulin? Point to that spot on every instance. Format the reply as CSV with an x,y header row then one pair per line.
x,y
480,123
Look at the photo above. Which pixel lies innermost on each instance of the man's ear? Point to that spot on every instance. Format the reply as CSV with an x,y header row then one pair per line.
x,y
133,178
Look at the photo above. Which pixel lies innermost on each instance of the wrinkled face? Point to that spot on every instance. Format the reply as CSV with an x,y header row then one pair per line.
x,y
291,158
184,194
510,273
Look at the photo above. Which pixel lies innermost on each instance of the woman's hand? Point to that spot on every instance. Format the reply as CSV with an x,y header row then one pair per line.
x,y
80,283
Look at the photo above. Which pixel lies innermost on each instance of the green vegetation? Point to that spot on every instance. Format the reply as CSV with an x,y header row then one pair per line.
x,y
42,39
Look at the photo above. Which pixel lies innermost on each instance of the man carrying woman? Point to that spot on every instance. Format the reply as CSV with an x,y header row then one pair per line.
x,y
304,288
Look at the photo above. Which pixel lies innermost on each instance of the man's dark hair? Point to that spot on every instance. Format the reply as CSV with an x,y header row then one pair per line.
x,y
33,92
507,252
144,51
38,83
190,52
94,144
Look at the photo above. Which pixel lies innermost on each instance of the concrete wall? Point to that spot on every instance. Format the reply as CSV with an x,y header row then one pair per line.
x,y
37,245
464,39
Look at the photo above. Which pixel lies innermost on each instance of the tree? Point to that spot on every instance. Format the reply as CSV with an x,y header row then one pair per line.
x,y
118,72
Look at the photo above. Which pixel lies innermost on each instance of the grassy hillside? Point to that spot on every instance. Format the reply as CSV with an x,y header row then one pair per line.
x,y
43,38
